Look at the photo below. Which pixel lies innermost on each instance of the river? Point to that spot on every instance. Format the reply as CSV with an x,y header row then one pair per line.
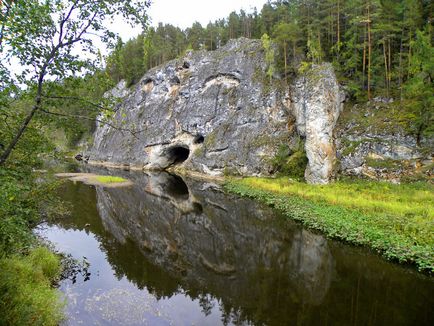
x,y
175,251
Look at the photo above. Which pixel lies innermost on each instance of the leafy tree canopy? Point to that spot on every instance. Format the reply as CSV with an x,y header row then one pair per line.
x,y
54,38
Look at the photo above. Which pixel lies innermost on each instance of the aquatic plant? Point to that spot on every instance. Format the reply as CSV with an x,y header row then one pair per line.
x,y
395,220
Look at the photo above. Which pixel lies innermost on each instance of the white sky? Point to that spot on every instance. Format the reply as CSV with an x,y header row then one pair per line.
x,y
183,13
180,13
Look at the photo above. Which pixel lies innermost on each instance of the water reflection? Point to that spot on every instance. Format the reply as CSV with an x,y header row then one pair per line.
x,y
236,260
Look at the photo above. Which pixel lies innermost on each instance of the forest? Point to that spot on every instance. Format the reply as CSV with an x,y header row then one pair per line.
x,y
378,48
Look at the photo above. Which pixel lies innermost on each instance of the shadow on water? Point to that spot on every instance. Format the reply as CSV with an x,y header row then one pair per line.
x,y
232,257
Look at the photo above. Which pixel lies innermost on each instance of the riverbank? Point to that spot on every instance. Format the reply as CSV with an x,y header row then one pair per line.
x,y
28,270
394,220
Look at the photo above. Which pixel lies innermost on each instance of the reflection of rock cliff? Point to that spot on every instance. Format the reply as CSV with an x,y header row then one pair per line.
x,y
223,244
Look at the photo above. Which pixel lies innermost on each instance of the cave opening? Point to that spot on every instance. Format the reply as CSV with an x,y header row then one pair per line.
x,y
198,139
177,154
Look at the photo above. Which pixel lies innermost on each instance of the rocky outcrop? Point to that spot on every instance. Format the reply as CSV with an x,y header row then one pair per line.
x,y
214,112
317,103
373,142
207,112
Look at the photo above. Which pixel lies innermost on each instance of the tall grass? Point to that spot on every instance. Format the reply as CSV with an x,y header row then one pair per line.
x,y
409,200
26,295
397,220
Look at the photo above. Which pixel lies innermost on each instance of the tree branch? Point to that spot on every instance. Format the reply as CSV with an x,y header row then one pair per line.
x,y
5,17
64,20
76,98
133,133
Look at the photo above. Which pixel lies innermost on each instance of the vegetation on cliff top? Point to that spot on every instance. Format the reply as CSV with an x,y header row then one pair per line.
x,y
378,48
396,220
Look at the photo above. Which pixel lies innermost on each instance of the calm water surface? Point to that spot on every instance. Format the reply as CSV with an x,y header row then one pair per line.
x,y
175,251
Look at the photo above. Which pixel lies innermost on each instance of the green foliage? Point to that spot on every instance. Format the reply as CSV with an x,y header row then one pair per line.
x,y
419,88
292,165
109,179
288,37
269,55
26,295
34,141
383,163
74,103
314,50
26,270
395,220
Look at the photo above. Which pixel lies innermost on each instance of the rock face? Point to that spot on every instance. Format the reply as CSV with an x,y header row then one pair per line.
x,y
371,144
212,112
208,112
317,103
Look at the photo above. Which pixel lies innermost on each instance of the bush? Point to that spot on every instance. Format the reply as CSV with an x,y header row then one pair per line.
x,y
26,295
27,271
292,165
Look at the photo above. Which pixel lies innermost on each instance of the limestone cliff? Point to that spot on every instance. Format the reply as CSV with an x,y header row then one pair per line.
x,y
317,103
215,113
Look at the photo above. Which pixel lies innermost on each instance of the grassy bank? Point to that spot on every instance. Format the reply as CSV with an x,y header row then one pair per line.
x,y
27,269
395,220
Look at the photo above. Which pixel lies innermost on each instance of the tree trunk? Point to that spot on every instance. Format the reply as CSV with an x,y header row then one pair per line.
x,y
17,137
369,52
390,64
339,28
386,78
364,58
32,112
409,53
286,63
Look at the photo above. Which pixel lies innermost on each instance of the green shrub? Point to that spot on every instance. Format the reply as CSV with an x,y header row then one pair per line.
x,y
292,165
26,272
26,295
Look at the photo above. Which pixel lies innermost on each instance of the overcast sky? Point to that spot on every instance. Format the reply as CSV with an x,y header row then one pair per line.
x,y
180,13
183,13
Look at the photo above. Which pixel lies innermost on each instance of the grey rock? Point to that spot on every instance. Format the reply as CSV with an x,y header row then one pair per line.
x,y
219,97
195,232
216,96
317,103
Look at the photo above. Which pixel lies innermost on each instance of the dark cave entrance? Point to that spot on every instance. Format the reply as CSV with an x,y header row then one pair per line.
x,y
198,139
177,154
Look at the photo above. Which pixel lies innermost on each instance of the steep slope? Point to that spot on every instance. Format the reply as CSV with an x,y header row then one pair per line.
x,y
216,113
